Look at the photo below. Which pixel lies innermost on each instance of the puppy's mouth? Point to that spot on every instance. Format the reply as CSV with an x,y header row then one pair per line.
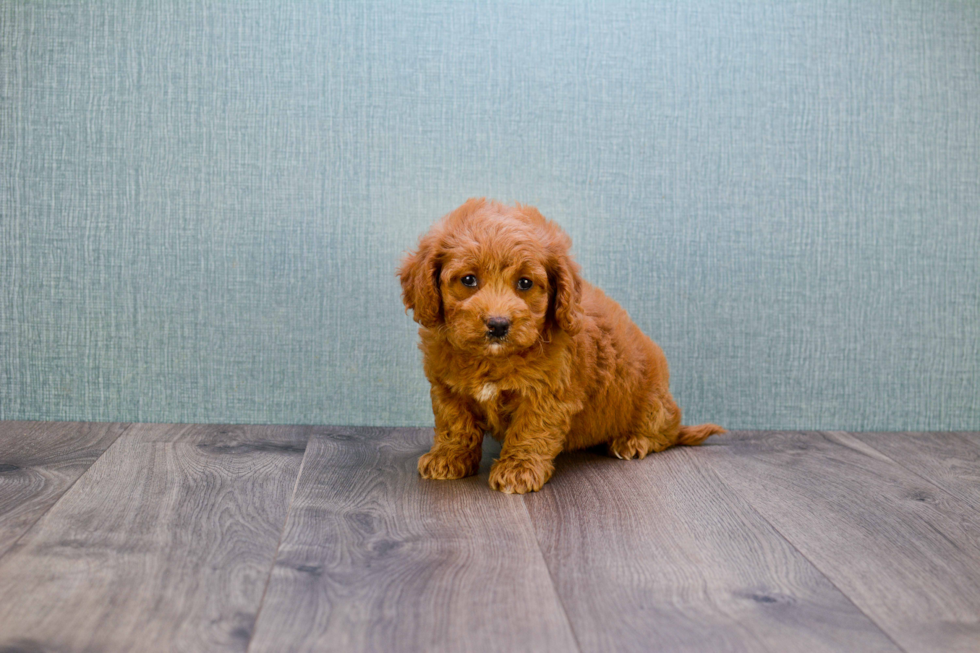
x,y
502,346
495,348
497,343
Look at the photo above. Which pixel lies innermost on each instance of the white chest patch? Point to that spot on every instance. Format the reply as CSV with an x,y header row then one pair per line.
x,y
487,393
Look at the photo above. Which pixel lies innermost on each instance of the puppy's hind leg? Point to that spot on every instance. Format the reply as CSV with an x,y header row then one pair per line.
x,y
658,427
654,429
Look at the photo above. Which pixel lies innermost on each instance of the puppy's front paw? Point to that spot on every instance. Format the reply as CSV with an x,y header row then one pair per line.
x,y
446,465
519,476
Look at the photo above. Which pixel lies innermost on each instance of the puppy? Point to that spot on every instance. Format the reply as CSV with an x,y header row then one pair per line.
x,y
516,344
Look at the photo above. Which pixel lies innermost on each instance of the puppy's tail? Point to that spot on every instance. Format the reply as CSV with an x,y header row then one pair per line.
x,y
695,435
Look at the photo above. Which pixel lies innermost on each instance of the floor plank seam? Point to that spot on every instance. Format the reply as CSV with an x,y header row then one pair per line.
x,y
551,577
29,529
282,532
951,493
813,564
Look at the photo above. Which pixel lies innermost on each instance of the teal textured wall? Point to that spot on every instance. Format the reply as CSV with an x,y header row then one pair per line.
x,y
203,204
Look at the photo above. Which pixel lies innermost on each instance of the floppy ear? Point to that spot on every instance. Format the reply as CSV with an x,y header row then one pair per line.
x,y
563,272
419,274
568,293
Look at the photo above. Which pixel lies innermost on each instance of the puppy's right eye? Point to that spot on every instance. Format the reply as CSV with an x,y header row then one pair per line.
x,y
469,281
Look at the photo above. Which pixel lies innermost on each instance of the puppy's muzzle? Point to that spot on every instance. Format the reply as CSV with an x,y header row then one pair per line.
x,y
497,327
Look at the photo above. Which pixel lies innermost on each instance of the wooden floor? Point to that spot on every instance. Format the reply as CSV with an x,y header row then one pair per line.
x,y
138,537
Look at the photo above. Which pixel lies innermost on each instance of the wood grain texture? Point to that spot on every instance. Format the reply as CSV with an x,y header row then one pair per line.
x,y
949,460
170,540
905,551
375,558
39,461
165,543
660,554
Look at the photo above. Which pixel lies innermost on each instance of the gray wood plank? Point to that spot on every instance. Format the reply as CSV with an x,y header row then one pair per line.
x,y
38,462
949,460
660,554
375,558
903,550
165,543
972,436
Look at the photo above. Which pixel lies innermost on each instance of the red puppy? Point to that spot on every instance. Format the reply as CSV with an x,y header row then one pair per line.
x,y
517,344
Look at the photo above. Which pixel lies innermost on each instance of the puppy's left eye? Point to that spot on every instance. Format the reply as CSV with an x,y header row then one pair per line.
x,y
524,283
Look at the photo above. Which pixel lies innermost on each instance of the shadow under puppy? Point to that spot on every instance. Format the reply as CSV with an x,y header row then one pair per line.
x,y
515,343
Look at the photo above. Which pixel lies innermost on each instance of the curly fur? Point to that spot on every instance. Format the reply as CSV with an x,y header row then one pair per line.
x,y
573,370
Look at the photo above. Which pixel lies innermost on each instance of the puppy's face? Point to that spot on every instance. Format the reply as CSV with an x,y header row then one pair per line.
x,y
494,278
494,294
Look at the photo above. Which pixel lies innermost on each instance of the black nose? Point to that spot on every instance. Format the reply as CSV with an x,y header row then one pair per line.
x,y
497,327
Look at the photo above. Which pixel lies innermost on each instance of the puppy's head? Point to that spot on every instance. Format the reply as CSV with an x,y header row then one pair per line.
x,y
494,278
